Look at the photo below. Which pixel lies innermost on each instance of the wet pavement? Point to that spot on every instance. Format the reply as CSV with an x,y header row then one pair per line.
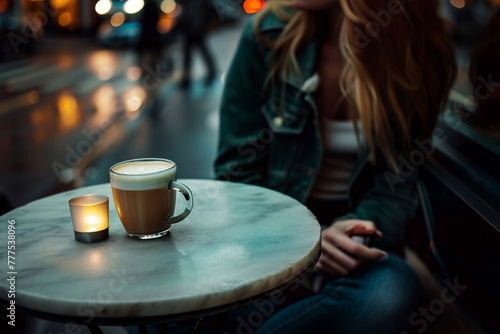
x,y
74,109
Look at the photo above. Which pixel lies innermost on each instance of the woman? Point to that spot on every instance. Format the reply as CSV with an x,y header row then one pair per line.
x,y
327,101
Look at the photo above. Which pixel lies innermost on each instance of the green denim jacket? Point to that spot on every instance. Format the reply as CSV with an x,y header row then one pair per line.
x,y
272,140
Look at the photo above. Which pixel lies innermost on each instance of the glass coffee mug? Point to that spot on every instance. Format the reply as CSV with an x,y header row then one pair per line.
x,y
144,192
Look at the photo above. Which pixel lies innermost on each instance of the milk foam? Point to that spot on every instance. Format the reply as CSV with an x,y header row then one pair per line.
x,y
142,167
142,175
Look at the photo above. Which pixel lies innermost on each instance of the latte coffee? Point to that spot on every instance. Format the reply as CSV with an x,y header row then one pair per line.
x,y
144,196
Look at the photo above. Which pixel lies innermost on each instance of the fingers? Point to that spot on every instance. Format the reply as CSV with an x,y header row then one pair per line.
x,y
351,247
334,260
369,253
334,254
357,226
340,254
327,265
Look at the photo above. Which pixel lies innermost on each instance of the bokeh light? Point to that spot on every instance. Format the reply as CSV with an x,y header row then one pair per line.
x,y
34,96
103,6
60,3
168,6
165,24
458,3
65,19
253,6
104,101
133,73
42,120
117,19
4,4
103,63
36,117
105,28
133,6
133,98
69,116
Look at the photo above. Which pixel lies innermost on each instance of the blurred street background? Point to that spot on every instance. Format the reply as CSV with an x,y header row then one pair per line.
x,y
76,97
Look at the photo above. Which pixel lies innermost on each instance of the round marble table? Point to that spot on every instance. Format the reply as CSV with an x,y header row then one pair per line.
x,y
239,242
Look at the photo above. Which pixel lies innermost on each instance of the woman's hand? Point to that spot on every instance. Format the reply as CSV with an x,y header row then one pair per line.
x,y
339,253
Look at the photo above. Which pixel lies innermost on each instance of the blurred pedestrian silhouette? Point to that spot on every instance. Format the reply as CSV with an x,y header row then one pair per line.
x,y
194,23
149,44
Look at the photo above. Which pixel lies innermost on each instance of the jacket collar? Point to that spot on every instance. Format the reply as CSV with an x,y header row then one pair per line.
x,y
306,55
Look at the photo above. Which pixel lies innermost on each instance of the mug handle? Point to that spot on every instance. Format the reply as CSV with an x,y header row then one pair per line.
x,y
188,195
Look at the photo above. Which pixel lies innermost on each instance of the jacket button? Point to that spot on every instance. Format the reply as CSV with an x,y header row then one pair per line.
x,y
278,121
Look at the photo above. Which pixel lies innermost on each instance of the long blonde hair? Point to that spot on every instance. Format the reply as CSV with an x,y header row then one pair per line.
x,y
397,80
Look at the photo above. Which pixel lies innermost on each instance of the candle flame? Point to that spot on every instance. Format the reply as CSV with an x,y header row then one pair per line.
x,y
92,220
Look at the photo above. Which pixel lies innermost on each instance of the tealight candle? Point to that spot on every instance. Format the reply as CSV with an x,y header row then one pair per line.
x,y
90,216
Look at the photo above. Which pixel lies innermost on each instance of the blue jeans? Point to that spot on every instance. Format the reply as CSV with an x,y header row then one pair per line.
x,y
378,297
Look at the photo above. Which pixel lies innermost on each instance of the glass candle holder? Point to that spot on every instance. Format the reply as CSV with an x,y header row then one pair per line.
x,y
90,216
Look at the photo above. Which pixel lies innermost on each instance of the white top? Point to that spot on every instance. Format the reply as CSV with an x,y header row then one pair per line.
x,y
238,242
339,157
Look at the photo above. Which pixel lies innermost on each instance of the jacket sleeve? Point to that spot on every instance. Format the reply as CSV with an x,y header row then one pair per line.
x,y
391,202
242,150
